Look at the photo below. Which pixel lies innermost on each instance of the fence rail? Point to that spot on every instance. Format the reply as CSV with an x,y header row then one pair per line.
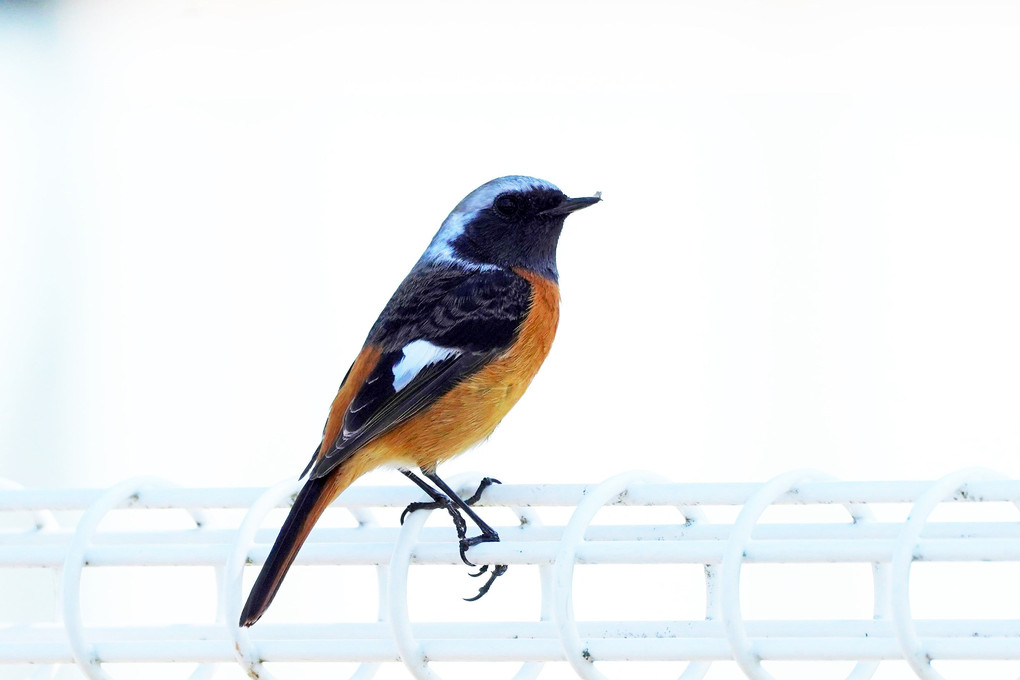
x,y
685,536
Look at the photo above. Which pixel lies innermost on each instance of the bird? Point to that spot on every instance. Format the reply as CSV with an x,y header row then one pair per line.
x,y
453,350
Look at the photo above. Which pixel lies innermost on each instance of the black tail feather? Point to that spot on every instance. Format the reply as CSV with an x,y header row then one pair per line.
x,y
307,507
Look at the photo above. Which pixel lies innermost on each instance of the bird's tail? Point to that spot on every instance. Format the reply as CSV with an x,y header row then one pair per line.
x,y
310,503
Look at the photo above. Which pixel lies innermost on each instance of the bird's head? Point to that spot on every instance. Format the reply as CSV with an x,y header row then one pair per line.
x,y
512,221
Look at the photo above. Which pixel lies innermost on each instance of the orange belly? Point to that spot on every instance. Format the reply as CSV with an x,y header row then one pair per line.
x,y
469,413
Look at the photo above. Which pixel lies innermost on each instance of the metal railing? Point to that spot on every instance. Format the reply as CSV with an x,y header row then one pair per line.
x,y
682,534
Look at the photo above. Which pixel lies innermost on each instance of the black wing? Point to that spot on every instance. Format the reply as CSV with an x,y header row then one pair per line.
x,y
443,324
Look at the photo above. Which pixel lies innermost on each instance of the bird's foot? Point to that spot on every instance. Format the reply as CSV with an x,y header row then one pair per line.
x,y
451,507
488,535
414,507
498,571
482,486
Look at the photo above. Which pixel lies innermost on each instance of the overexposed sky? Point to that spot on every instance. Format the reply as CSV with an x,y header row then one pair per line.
x,y
807,255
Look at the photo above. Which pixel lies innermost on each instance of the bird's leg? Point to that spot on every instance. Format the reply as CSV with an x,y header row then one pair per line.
x,y
438,501
488,535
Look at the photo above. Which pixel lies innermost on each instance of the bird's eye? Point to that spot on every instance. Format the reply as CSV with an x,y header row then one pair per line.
x,y
506,205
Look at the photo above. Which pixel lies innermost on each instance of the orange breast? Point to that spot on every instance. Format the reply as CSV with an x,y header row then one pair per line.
x,y
469,413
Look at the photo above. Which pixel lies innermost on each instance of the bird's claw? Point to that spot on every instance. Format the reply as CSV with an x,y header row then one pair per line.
x,y
482,486
466,544
464,559
414,507
496,572
499,570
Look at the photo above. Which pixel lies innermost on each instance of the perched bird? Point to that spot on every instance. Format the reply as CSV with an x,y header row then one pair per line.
x,y
451,353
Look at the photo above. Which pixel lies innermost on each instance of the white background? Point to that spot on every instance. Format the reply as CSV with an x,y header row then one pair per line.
x,y
806,256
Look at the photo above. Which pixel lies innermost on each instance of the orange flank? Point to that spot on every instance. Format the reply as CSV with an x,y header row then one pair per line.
x,y
360,370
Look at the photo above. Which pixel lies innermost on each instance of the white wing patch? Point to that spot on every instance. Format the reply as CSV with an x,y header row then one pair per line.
x,y
418,355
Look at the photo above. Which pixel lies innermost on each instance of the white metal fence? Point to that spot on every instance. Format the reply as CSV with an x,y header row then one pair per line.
x,y
681,533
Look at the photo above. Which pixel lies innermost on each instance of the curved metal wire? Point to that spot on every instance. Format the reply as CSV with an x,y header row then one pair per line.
x,y
557,635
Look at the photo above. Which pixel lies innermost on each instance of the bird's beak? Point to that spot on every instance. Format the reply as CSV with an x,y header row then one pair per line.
x,y
569,205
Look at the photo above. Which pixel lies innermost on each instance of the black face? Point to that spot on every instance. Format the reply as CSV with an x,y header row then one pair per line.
x,y
513,232
516,205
